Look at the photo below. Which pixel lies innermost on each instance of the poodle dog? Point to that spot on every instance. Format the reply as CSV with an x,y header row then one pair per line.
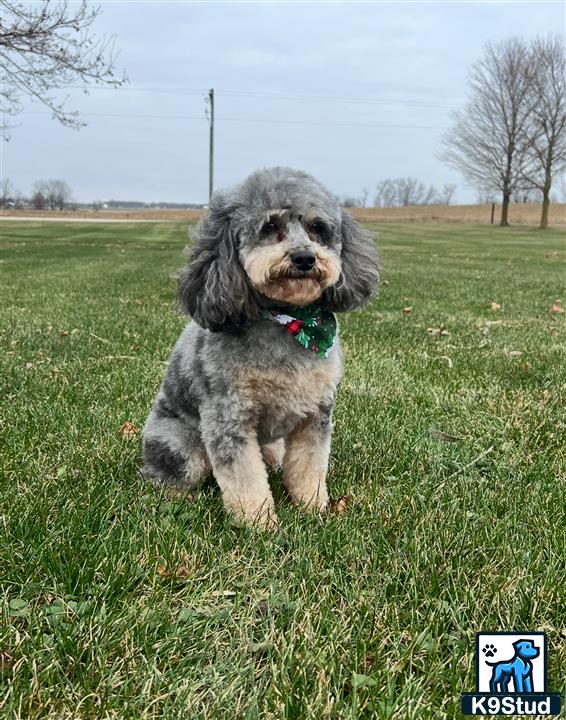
x,y
253,378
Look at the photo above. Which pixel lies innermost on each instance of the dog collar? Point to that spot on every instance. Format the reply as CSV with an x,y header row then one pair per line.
x,y
312,327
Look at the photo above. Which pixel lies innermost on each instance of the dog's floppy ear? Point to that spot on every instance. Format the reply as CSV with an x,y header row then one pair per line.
x,y
357,283
213,286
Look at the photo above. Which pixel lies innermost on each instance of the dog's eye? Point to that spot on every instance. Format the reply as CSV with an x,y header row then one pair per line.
x,y
269,228
318,228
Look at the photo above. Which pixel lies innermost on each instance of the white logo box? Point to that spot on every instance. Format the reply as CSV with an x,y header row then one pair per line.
x,y
505,652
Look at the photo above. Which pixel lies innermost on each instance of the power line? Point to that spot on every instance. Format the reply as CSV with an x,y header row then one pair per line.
x,y
254,120
121,88
127,115
334,98
335,124
260,95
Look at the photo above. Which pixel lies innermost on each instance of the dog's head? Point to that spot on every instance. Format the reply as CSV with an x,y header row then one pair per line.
x,y
278,238
525,649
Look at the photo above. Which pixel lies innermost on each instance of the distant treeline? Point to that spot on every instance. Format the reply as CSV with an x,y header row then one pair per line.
x,y
57,195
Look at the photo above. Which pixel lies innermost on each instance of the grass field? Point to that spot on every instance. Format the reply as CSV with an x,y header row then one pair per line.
x,y
119,604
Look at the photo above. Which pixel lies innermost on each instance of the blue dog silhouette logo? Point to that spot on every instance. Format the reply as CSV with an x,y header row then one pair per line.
x,y
519,669
511,676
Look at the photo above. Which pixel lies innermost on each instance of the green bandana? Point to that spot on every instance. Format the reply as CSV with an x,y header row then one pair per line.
x,y
312,327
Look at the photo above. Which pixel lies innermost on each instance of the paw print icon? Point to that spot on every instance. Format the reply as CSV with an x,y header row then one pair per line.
x,y
489,650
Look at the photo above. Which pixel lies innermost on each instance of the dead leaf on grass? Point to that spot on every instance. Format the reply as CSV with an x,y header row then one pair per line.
x,y
407,310
495,307
182,572
339,506
129,430
556,307
162,570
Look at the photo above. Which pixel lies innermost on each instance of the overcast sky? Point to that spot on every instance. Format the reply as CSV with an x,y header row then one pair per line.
x,y
351,92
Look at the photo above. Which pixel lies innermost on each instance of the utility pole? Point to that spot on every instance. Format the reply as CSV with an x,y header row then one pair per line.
x,y
211,150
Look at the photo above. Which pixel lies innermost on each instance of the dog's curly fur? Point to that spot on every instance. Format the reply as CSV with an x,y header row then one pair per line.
x,y
239,391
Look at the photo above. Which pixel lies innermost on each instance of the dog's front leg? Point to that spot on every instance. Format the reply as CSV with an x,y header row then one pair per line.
x,y
243,481
518,680
239,470
307,449
527,683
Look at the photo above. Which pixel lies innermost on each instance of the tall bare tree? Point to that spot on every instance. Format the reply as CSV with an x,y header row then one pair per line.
x,y
7,192
447,193
38,200
489,140
410,191
48,45
547,141
52,194
405,191
386,194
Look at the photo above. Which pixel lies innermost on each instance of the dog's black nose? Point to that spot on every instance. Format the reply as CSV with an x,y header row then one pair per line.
x,y
303,260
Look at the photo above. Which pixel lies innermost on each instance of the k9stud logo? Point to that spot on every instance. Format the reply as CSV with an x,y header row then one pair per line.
x,y
511,676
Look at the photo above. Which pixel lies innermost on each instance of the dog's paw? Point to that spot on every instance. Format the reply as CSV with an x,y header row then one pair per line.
x,y
313,504
268,521
261,516
489,650
261,521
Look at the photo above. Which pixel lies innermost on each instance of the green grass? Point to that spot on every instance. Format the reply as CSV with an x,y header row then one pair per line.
x,y
119,604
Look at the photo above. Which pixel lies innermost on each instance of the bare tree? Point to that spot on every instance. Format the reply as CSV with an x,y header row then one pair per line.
x,y
447,193
348,201
402,192
547,141
61,193
52,194
430,196
386,194
48,45
410,191
364,197
7,192
490,137
38,200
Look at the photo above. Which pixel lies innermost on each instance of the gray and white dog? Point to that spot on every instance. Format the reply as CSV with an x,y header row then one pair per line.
x,y
246,384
